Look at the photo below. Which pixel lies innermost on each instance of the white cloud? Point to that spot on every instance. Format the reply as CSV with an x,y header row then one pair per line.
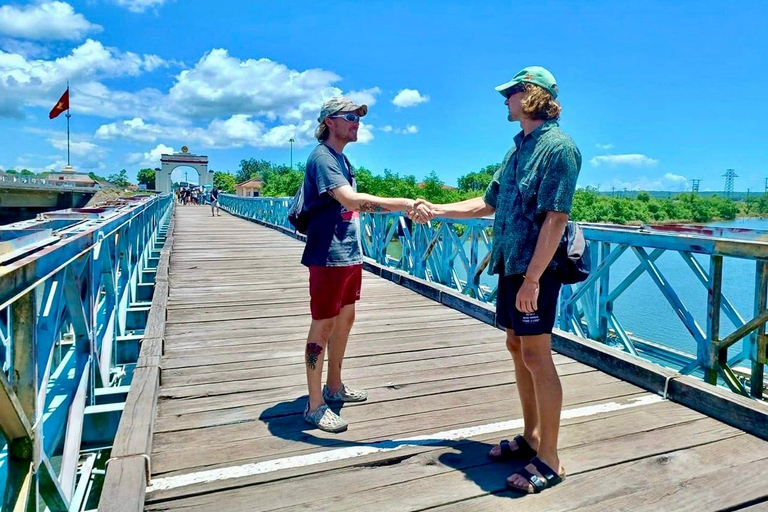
x,y
27,49
409,98
253,102
151,158
365,133
40,82
78,148
220,102
409,129
45,21
365,96
140,5
220,85
675,180
604,146
634,160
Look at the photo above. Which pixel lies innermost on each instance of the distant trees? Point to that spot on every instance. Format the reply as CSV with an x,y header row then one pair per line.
x,y
590,206
224,181
146,177
119,179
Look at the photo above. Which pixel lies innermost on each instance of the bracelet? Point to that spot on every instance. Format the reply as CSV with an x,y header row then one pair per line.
x,y
528,278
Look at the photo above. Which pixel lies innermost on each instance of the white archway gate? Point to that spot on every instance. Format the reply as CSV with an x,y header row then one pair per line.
x,y
170,162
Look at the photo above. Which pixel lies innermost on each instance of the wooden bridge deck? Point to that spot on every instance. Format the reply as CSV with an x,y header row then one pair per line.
x,y
229,435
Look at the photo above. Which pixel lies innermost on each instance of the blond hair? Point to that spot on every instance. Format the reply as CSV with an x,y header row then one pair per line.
x,y
538,103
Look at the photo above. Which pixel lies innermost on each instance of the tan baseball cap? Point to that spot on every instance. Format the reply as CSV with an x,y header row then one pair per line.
x,y
335,105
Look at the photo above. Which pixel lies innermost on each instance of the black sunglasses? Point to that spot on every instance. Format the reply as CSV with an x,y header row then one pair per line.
x,y
515,89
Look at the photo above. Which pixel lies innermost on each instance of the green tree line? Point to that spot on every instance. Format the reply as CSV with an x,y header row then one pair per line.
x,y
588,204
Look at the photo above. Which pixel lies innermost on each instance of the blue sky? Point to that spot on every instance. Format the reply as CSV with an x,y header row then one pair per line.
x,y
654,93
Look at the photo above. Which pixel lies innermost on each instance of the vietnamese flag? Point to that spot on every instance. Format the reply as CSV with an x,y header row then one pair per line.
x,y
61,105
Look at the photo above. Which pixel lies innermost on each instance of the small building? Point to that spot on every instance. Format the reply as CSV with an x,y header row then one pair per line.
x,y
69,176
250,188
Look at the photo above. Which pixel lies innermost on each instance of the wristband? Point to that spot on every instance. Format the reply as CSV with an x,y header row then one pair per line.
x,y
528,278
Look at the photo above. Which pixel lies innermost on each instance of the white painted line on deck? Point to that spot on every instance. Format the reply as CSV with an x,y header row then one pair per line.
x,y
213,475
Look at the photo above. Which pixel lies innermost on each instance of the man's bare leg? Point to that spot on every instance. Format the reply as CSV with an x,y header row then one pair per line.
x,y
537,357
314,355
527,394
337,346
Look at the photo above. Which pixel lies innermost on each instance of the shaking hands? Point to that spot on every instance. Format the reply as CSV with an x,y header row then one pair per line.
x,y
421,211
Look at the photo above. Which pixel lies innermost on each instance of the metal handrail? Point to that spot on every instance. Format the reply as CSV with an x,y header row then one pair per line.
x,y
31,182
456,254
66,308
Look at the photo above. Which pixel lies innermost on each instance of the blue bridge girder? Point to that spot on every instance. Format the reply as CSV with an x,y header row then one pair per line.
x,y
75,288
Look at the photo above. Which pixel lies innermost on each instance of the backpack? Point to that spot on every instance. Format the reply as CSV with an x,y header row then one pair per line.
x,y
298,215
572,260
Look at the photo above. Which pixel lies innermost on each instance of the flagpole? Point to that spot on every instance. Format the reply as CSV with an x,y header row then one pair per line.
x,y
68,116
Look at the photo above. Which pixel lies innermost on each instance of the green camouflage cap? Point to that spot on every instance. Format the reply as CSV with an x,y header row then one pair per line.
x,y
335,105
532,75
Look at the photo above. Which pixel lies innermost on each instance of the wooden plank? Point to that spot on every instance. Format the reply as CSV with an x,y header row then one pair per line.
x,y
155,327
466,473
151,352
413,397
280,435
278,353
698,478
749,415
125,485
574,432
126,476
233,390
421,385
134,435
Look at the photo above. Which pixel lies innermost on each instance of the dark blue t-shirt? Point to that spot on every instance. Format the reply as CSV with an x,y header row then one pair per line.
x,y
333,238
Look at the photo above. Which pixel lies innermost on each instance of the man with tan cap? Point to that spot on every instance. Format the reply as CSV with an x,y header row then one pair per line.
x,y
334,256
531,195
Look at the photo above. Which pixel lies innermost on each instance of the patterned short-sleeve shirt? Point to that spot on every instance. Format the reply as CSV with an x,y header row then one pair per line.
x,y
537,175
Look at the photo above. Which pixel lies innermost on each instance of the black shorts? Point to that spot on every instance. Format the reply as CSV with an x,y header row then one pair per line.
x,y
528,324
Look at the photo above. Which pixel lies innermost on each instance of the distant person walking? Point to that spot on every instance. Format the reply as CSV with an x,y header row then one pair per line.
x,y
531,195
215,201
334,256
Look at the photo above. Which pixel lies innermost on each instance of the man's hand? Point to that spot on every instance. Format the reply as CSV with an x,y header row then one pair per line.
x,y
527,300
422,212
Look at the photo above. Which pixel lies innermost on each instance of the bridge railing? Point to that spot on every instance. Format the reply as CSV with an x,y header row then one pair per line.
x,y
456,254
75,290
32,182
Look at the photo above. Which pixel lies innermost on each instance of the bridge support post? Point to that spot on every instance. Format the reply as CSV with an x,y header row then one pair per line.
x,y
23,481
759,340
714,357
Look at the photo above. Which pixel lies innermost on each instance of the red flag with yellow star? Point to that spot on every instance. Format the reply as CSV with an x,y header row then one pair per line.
x,y
61,105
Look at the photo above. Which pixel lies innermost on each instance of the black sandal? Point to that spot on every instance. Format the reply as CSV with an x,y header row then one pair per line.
x,y
524,451
551,478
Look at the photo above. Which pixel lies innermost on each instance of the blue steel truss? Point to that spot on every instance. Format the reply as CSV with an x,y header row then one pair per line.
x,y
75,289
456,254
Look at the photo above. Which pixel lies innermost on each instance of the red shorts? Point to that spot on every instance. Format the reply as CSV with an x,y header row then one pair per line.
x,y
332,288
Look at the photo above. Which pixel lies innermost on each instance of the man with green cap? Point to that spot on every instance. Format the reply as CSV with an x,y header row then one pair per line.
x,y
334,255
531,195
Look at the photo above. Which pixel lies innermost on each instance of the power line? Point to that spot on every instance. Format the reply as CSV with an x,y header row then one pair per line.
x,y
695,185
730,174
